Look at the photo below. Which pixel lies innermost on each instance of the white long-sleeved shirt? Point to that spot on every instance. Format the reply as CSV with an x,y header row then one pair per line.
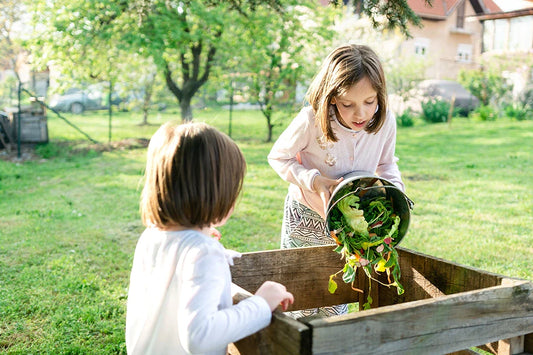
x,y
301,153
179,299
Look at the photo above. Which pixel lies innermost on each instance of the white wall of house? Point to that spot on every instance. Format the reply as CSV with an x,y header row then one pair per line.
x,y
447,44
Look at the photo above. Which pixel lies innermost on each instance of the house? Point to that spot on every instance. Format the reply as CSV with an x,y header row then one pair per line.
x,y
451,35
509,35
510,31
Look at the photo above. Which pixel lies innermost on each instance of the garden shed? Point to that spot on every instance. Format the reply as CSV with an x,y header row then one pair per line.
x,y
33,125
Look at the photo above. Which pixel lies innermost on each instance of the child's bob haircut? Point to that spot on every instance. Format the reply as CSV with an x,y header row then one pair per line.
x,y
343,68
194,174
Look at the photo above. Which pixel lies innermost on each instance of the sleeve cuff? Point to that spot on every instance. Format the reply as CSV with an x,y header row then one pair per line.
x,y
313,173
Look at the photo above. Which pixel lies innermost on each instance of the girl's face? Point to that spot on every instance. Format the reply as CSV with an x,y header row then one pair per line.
x,y
357,105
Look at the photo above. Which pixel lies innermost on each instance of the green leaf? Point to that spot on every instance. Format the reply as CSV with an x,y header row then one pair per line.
x,y
332,285
368,303
349,274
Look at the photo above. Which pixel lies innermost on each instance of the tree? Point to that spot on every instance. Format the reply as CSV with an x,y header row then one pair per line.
x,y
279,53
183,38
10,49
141,84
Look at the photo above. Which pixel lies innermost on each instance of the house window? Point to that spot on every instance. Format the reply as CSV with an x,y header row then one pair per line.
x,y
421,46
461,15
488,35
501,34
520,33
464,53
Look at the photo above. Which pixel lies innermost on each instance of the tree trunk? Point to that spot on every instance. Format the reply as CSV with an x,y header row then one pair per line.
x,y
186,109
269,136
147,100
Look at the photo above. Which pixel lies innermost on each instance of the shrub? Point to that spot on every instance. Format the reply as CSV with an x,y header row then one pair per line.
x,y
526,97
517,111
405,119
434,110
48,150
484,113
487,84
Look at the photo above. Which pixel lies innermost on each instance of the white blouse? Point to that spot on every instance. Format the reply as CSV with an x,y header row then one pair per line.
x,y
179,299
302,152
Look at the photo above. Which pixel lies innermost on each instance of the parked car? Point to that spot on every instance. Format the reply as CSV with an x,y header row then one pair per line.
x,y
76,100
445,90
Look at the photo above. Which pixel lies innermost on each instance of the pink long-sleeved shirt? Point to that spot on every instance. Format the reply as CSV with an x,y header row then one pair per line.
x,y
301,153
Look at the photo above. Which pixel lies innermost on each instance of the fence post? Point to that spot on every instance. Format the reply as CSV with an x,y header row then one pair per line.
x,y
18,121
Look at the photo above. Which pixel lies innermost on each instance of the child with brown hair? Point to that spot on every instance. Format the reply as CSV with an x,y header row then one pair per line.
x,y
346,128
179,299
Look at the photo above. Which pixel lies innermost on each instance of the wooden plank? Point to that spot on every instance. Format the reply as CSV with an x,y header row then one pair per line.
x,y
528,343
490,347
432,326
511,346
426,277
284,335
305,272
7,129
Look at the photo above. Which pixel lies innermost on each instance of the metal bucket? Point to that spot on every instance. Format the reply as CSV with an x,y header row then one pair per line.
x,y
369,186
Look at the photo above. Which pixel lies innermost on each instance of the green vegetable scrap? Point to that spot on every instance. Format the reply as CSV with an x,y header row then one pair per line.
x,y
366,231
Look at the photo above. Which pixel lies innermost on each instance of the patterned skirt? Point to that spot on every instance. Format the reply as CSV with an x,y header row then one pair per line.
x,y
303,227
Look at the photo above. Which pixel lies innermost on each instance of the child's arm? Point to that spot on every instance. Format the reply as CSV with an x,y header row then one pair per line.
x,y
206,322
283,156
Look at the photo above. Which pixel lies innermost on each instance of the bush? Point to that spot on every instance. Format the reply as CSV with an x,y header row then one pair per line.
x,y
488,85
405,119
484,113
435,111
48,150
526,97
517,111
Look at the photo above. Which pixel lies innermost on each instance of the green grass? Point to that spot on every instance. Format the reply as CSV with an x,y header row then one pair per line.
x,y
69,224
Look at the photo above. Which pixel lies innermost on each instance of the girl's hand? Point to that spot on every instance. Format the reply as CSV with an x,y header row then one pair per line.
x,y
275,294
324,187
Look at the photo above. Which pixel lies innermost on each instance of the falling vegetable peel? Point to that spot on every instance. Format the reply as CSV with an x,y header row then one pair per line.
x,y
366,231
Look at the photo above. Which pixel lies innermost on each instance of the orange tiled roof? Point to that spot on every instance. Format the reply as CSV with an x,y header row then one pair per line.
x,y
443,8
440,8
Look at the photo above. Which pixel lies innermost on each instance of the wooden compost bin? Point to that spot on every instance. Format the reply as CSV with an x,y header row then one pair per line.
x,y
446,307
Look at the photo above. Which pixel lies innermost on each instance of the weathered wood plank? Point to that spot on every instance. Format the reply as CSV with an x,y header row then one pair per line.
x,y
284,335
425,276
432,326
511,346
528,343
305,272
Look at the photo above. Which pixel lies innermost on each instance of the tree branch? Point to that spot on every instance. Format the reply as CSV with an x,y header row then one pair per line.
x,y
171,84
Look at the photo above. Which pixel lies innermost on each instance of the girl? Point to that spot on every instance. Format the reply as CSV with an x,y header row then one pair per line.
x,y
179,300
346,128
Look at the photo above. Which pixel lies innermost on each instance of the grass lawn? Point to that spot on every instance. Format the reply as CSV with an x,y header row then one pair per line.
x,y
69,223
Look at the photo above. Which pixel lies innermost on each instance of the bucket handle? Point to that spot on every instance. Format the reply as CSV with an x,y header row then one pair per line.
x,y
410,203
